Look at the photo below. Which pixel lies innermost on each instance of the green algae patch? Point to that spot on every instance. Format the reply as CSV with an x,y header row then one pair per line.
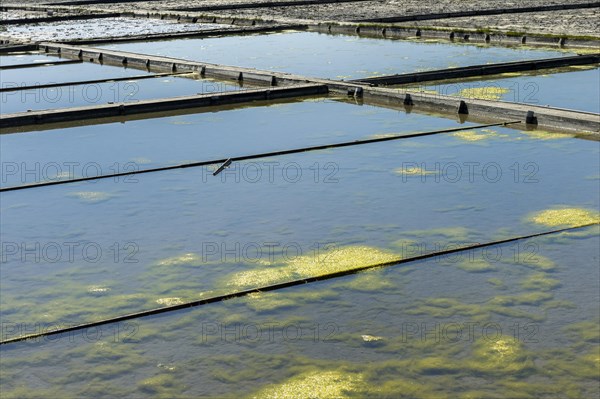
x,y
261,277
398,385
483,93
503,355
530,298
544,135
565,217
332,261
316,384
510,311
26,392
496,282
558,388
169,301
341,259
538,262
110,351
435,365
445,307
368,281
162,384
470,135
268,302
76,303
582,367
503,305
540,282
473,136
187,259
587,331
559,304
476,266
566,237
271,301
589,365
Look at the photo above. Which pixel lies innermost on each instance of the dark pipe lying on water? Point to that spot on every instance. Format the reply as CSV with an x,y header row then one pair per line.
x,y
253,156
279,286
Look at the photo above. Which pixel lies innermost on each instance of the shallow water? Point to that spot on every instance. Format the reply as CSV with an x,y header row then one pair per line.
x,y
63,73
110,92
202,136
422,330
121,240
331,56
25,58
519,319
575,89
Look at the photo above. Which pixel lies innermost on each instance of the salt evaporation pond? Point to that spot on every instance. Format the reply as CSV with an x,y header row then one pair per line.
x,y
569,88
332,56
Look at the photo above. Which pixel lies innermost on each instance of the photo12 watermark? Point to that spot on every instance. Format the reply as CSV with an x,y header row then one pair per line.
x,y
455,332
68,252
469,172
41,172
267,332
520,252
272,251
47,332
70,95
506,90
272,172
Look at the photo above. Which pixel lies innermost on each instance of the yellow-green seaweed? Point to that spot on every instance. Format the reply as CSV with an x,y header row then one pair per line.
x,y
484,93
163,384
530,298
267,302
476,266
565,217
540,282
470,135
368,281
501,355
169,301
316,384
544,135
335,260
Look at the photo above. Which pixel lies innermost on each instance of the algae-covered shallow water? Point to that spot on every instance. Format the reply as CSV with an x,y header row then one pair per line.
x,y
423,330
573,88
515,320
110,92
332,56
138,242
